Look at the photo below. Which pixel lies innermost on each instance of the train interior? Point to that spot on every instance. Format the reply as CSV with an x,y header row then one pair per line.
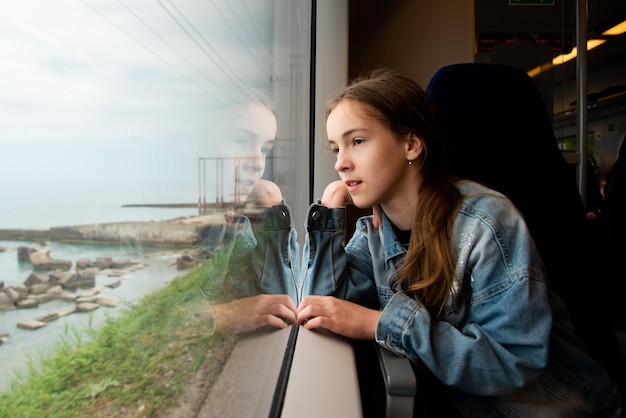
x,y
533,115
572,214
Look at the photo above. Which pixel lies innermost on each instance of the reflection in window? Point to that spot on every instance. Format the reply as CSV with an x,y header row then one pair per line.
x,y
139,139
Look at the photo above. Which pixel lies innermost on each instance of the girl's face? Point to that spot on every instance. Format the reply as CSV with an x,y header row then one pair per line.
x,y
247,135
372,161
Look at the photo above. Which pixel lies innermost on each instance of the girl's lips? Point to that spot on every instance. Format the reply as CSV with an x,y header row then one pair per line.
x,y
352,185
245,185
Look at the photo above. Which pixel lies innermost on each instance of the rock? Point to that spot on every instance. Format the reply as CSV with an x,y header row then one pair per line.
x,y
42,261
85,299
86,278
52,316
22,292
65,311
83,263
31,324
71,281
27,303
56,277
137,266
23,253
114,284
185,262
5,302
68,281
44,297
86,306
13,294
103,262
4,337
89,293
38,289
35,278
106,300
55,291
121,264
114,273
67,296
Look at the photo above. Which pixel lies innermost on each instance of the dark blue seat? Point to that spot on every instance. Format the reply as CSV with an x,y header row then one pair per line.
x,y
499,133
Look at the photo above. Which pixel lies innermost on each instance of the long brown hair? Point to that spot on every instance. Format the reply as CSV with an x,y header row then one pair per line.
x,y
400,104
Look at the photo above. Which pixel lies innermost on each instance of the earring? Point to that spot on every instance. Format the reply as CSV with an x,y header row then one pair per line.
x,y
410,162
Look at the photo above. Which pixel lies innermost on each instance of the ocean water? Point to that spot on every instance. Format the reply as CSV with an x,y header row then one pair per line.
x,y
44,205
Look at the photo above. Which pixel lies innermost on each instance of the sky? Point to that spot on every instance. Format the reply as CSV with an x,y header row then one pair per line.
x,y
94,90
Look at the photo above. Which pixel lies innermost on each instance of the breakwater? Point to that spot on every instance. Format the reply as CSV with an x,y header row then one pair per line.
x,y
182,232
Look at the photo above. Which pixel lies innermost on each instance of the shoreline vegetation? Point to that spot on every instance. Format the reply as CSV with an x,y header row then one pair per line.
x,y
137,364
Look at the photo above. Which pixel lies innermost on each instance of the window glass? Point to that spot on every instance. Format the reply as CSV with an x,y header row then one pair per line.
x,y
144,141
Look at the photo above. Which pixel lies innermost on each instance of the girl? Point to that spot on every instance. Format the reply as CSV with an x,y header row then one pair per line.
x,y
444,273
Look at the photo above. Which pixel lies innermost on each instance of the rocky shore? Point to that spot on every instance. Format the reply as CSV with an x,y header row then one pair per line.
x,y
77,288
74,283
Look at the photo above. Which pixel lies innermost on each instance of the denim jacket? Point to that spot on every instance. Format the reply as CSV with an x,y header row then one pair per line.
x,y
505,346
261,254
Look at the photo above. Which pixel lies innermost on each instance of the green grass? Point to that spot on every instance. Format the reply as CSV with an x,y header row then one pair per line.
x,y
136,364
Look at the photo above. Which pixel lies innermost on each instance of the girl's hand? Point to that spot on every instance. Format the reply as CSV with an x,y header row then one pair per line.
x,y
336,195
339,316
266,194
247,314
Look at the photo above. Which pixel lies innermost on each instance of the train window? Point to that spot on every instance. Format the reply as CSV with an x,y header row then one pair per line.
x,y
147,150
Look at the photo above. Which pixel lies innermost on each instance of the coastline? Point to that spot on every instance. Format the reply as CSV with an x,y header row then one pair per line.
x,y
178,232
169,239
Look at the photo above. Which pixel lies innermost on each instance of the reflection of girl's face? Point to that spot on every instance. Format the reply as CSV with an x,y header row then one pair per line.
x,y
248,135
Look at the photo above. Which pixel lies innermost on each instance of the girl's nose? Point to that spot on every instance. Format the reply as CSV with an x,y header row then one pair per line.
x,y
343,163
255,163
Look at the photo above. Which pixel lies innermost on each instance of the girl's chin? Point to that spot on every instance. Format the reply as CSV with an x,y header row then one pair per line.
x,y
361,204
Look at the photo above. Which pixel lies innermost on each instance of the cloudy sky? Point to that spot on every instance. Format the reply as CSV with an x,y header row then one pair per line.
x,y
120,90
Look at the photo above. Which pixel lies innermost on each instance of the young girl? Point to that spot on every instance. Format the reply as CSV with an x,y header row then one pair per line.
x,y
444,273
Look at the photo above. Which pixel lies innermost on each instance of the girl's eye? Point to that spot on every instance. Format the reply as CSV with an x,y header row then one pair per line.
x,y
239,141
335,150
358,141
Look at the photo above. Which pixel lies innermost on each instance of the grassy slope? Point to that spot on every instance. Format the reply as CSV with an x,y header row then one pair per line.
x,y
137,364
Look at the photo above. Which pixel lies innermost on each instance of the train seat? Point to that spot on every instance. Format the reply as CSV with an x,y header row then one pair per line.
x,y
498,132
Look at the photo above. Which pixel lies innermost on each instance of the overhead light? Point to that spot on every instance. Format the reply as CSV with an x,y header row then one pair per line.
x,y
616,30
540,69
563,58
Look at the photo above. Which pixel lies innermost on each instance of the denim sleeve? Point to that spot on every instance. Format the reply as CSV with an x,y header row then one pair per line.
x,y
275,258
261,254
323,256
327,268
498,342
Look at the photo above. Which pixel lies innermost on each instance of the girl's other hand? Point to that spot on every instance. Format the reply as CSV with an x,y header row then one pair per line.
x,y
339,316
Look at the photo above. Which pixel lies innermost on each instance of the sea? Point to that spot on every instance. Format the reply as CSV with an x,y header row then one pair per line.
x,y
45,205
